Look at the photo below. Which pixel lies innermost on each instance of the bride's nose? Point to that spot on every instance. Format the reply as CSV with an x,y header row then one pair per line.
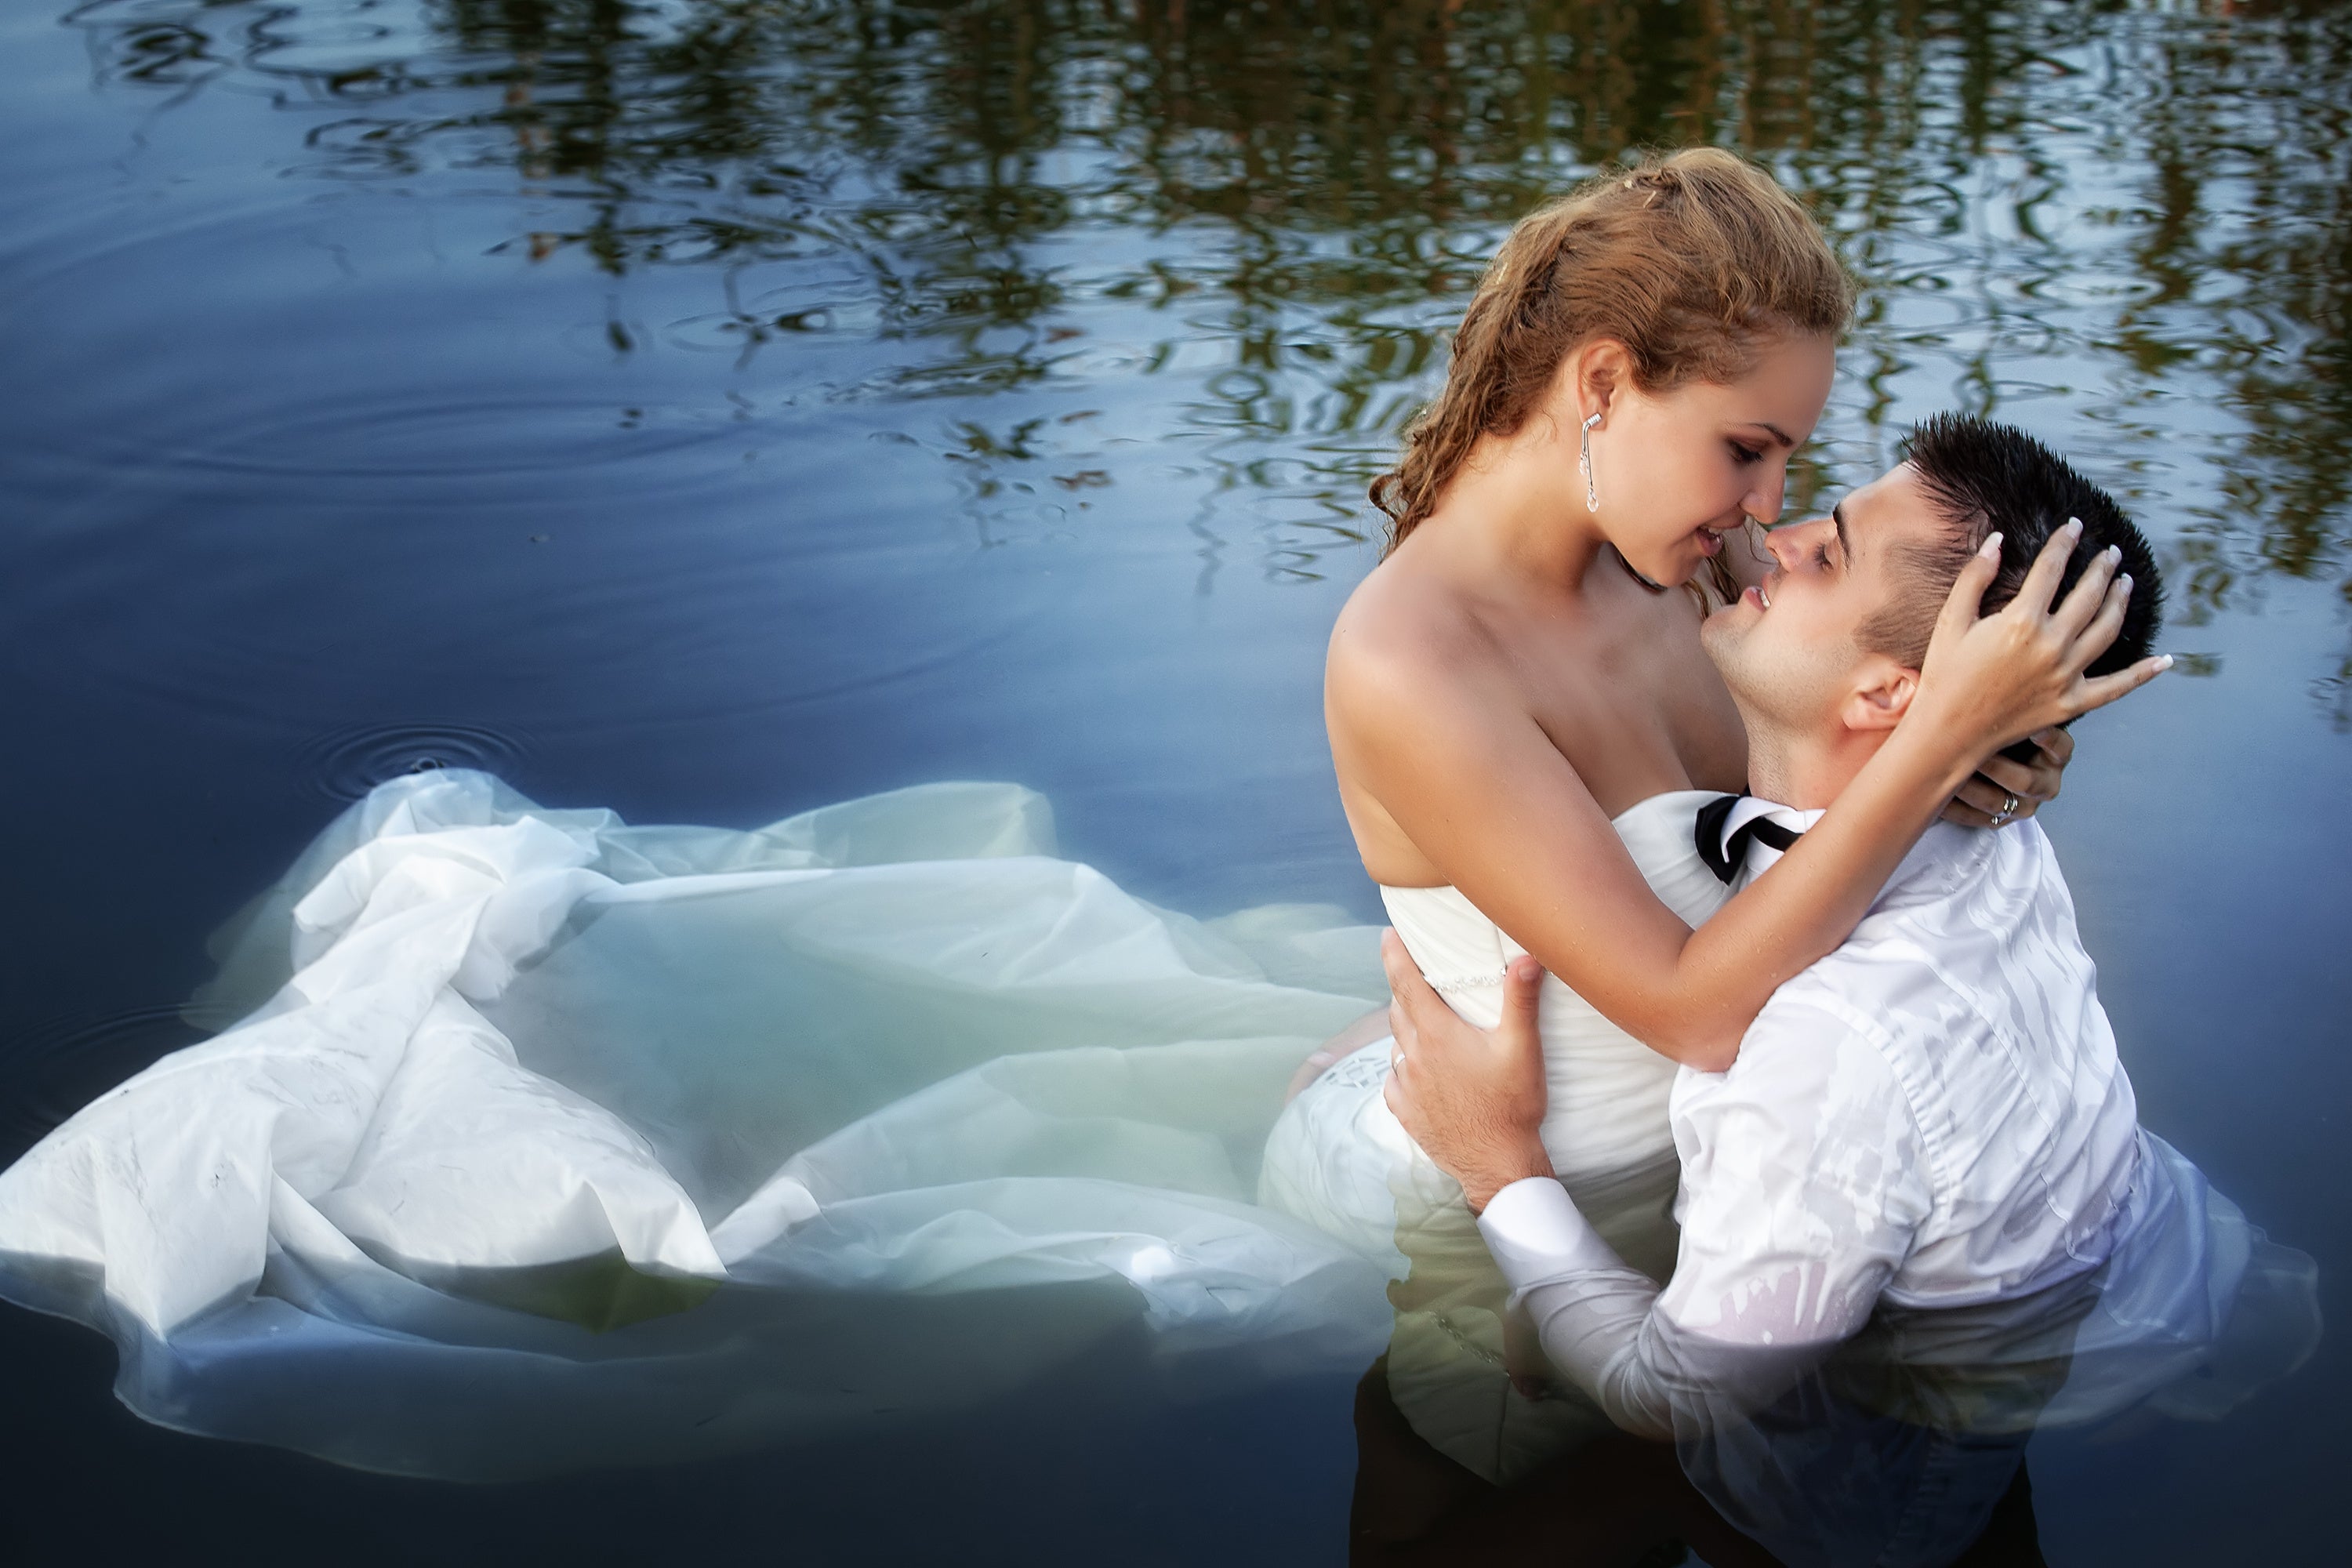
x,y
1763,503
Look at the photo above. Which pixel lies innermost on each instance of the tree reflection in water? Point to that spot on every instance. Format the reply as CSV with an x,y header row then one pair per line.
x,y
2135,218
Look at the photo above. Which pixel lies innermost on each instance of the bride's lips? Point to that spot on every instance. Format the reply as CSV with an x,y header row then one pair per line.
x,y
1710,536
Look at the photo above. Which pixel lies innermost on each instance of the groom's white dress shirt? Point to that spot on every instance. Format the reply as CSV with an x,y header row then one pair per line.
x,y
1933,1114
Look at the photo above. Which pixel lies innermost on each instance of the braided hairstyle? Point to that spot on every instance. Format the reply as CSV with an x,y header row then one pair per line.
x,y
1693,261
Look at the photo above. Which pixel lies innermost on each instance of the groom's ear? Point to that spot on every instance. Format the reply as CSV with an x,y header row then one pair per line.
x,y
1880,694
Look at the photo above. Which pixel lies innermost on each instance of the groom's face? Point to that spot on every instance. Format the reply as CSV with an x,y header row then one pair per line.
x,y
1792,650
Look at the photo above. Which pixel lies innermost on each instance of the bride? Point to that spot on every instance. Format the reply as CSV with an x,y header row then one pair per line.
x,y
531,1139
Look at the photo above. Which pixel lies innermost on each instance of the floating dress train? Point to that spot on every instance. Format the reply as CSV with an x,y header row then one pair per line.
x,y
536,1140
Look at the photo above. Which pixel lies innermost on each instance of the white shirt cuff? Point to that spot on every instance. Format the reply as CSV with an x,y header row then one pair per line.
x,y
1537,1234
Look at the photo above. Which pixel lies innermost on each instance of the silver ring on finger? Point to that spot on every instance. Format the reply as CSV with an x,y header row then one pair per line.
x,y
2007,812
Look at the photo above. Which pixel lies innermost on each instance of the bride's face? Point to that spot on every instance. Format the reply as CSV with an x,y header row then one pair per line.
x,y
1677,471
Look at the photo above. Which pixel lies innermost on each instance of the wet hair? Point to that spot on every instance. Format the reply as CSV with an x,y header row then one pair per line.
x,y
1982,477
1695,261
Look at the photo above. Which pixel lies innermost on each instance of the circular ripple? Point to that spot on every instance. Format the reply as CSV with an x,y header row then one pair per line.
x,y
344,764
52,1070
72,1036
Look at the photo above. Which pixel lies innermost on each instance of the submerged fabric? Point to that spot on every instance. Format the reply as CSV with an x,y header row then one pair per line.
x,y
533,1140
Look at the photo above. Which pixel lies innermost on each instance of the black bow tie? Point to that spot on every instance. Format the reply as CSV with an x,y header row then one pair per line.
x,y
1723,860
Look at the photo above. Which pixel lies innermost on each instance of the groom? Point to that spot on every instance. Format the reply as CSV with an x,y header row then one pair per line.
x,y
1933,1114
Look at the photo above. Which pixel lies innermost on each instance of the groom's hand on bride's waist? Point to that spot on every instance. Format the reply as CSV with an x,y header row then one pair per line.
x,y
1473,1099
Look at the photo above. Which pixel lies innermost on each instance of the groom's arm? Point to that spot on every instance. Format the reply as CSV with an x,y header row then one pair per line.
x,y
1801,1188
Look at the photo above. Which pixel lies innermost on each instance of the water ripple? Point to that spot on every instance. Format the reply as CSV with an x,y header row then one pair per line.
x,y
57,1066
344,764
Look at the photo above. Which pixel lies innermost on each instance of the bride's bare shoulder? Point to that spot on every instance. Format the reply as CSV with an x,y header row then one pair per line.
x,y
1406,635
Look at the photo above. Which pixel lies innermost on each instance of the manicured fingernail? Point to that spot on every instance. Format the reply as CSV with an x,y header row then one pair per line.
x,y
2163,662
1992,546
2073,526
2124,582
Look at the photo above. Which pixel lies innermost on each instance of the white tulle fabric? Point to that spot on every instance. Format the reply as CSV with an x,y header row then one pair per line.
x,y
535,1140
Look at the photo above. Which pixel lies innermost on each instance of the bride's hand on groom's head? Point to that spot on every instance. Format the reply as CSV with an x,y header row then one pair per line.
x,y
1473,1099
2003,790
1989,680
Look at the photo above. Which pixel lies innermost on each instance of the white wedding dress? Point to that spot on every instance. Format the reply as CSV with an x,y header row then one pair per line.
x,y
535,1141
530,1140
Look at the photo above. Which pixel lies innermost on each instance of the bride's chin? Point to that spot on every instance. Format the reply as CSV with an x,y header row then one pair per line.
x,y
1671,571
1663,562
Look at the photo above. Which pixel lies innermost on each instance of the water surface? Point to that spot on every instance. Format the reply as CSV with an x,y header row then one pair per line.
x,y
712,410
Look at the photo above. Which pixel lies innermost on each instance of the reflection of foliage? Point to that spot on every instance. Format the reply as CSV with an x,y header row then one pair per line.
x,y
1311,185
2259,293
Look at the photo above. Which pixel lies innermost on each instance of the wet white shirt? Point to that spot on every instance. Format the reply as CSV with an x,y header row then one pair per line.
x,y
1933,1114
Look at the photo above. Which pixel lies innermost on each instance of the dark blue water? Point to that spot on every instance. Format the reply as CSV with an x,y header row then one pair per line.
x,y
712,410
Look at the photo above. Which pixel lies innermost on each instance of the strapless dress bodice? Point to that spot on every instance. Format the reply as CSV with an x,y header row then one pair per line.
x,y
1339,1158
1607,1091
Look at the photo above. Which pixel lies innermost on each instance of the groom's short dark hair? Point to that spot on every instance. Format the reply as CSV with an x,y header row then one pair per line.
x,y
1982,477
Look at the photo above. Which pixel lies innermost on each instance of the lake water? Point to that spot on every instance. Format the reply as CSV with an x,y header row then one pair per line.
x,y
713,410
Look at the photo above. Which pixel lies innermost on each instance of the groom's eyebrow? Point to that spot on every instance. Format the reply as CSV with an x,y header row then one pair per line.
x,y
1846,544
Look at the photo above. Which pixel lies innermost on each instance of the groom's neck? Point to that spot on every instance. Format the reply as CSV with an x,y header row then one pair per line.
x,y
1802,769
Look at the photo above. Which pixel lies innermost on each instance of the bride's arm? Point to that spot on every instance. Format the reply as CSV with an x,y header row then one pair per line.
x,y
1452,754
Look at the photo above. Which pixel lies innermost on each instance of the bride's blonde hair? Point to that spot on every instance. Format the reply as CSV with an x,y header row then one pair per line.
x,y
1693,261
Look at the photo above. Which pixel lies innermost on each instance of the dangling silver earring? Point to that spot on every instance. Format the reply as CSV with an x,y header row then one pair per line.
x,y
1584,461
